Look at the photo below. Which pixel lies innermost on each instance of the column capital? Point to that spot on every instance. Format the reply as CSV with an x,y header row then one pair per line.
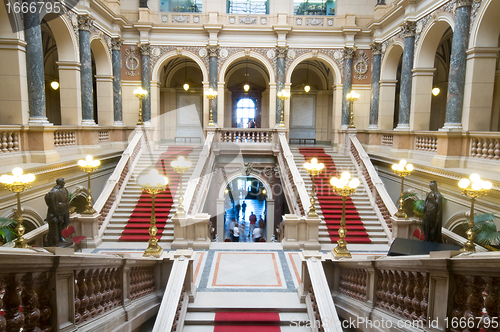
x,y
349,52
85,22
213,50
144,48
281,51
116,44
376,48
463,3
409,28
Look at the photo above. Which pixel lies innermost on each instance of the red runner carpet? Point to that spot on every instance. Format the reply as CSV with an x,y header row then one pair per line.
x,y
331,203
139,222
247,322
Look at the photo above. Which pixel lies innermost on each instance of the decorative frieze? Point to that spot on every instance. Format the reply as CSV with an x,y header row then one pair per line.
x,y
132,61
85,22
409,28
361,65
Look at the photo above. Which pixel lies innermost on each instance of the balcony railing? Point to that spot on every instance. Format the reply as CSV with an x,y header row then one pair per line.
x,y
236,135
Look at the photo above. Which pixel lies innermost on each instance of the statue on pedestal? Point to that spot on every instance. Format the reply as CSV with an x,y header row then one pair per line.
x,y
57,213
432,218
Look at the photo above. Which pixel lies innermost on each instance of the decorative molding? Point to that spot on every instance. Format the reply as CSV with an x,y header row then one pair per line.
x,y
203,53
349,52
409,28
271,54
248,20
463,3
361,66
281,51
85,22
116,44
223,53
213,50
132,61
315,22
179,19
376,48
144,48
155,51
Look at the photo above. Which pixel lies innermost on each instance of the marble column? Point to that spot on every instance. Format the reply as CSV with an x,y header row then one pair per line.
x,y
213,74
85,24
375,96
347,87
458,59
281,52
380,2
146,81
34,68
406,76
116,58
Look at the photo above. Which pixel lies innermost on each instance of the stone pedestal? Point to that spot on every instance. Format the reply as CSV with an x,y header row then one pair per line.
x,y
41,143
89,228
301,232
449,149
403,227
291,232
402,143
191,232
312,234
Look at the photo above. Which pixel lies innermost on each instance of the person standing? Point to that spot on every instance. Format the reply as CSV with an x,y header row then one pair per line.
x,y
257,234
236,233
253,219
243,209
237,209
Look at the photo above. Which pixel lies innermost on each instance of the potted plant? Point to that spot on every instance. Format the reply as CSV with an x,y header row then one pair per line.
x,y
7,232
487,234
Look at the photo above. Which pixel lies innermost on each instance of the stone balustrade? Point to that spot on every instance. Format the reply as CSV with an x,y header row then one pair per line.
x,y
103,135
429,293
9,140
64,138
249,135
387,139
40,291
426,143
488,148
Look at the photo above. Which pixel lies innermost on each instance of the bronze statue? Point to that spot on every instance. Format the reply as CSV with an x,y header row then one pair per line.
x,y
57,213
432,218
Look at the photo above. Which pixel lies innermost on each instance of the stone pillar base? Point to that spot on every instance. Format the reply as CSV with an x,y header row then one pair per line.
x,y
312,239
403,227
89,228
191,232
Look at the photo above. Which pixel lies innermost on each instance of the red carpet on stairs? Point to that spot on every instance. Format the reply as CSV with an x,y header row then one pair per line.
x,y
235,321
139,222
331,203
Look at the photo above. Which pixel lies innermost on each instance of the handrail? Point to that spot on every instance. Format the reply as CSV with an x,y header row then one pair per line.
x,y
198,179
459,240
319,300
383,202
298,182
106,202
174,303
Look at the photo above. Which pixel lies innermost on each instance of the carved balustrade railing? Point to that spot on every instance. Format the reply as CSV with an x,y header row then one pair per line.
x,y
45,292
294,186
9,139
105,203
387,139
103,135
64,138
485,147
196,190
385,207
422,292
248,135
426,143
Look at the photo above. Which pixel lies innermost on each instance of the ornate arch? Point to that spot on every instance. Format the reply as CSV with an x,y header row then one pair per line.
x,y
430,38
257,56
336,70
391,59
161,61
101,55
29,216
242,65
66,41
254,174
486,27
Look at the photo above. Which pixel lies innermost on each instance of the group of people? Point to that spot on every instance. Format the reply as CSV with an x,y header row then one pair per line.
x,y
251,124
243,208
237,230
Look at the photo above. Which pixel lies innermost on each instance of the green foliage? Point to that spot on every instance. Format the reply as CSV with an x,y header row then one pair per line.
x,y
486,229
7,232
418,207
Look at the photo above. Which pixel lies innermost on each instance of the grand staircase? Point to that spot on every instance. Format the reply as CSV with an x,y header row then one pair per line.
x,y
130,220
363,225
246,312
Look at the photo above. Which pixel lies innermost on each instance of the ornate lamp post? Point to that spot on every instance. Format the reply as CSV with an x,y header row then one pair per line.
x,y
313,168
473,188
343,186
352,97
17,183
140,93
153,183
89,165
211,94
181,165
283,95
403,170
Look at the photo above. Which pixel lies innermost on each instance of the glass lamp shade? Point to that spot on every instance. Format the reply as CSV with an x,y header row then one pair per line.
x,y
181,162
464,183
186,86
153,179
307,88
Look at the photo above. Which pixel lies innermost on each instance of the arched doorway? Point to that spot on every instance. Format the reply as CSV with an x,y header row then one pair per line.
x,y
51,70
245,207
390,78
246,94
181,101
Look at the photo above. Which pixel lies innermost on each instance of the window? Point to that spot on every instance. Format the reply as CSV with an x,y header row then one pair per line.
x,y
248,6
181,6
314,7
245,110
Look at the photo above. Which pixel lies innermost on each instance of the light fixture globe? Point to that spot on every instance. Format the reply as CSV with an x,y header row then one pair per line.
x,y
307,88
436,91
186,86
54,85
246,87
